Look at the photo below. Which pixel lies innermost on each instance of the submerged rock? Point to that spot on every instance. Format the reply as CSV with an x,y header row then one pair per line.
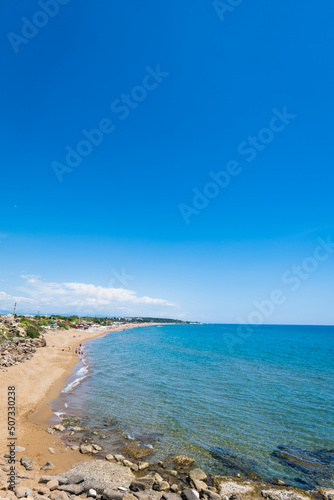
x,y
234,463
143,465
314,466
183,461
135,450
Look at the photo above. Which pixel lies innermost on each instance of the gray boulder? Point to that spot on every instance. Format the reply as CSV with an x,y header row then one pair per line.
x,y
139,486
48,466
73,489
209,495
25,461
46,479
110,494
189,494
171,496
73,477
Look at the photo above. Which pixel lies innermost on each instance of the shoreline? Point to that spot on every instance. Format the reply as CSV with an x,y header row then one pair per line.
x,y
38,381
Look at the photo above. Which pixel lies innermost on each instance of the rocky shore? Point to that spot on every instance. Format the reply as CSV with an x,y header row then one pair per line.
x,y
116,478
18,350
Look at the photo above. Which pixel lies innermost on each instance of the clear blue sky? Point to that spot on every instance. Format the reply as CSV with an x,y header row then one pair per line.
x,y
180,89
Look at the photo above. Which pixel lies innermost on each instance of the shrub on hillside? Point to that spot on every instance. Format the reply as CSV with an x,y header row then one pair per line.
x,y
32,332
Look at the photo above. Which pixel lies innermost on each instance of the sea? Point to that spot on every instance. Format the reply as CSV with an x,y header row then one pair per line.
x,y
257,402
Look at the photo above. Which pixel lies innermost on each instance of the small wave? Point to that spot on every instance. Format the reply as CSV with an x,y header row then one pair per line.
x,y
83,370
73,384
59,413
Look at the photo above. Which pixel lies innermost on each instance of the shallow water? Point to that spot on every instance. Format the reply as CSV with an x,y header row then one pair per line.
x,y
227,402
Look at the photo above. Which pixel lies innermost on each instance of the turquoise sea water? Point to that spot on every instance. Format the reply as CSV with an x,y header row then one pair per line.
x,y
226,401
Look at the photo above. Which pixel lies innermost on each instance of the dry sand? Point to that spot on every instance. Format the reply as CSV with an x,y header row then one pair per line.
x,y
37,382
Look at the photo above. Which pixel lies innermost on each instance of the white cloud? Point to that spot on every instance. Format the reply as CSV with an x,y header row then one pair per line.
x,y
86,298
7,301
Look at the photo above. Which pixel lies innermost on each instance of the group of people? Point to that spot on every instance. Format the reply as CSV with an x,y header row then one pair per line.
x,y
79,351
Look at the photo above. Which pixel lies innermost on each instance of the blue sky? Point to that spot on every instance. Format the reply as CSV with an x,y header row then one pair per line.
x,y
183,94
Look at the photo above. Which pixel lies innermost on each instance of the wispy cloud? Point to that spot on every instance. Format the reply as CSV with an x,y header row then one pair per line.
x,y
7,301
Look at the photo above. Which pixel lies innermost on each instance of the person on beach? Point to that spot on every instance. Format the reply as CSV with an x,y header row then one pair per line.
x,y
69,347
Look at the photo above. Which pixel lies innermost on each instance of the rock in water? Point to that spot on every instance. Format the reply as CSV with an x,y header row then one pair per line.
x,y
183,461
313,466
86,448
59,427
233,462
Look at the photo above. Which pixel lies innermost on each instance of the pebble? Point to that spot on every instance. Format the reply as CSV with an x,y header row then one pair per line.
x,y
51,450
143,465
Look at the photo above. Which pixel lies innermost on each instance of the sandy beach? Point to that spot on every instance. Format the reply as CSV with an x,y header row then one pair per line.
x,y
38,381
